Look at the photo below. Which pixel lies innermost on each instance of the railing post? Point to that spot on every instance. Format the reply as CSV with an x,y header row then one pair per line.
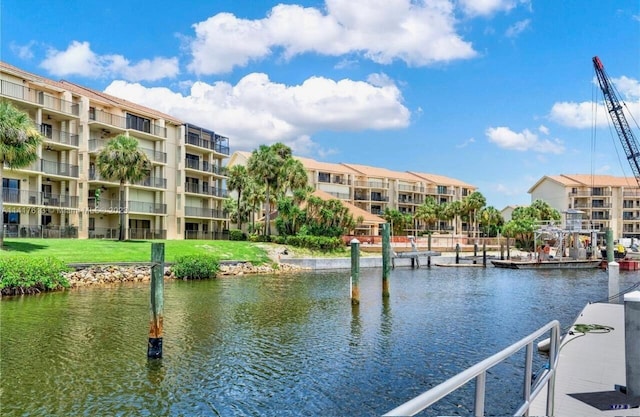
x,y
481,381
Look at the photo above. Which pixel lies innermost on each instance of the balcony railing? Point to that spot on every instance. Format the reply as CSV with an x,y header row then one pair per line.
x,y
371,184
30,95
34,198
341,196
371,198
208,144
147,234
150,128
204,212
104,204
96,144
203,166
590,193
199,234
39,231
108,118
58,136
54,168
155,182
198,189
145,207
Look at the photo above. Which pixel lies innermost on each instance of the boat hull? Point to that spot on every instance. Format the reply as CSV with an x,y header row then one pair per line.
x,y
552,264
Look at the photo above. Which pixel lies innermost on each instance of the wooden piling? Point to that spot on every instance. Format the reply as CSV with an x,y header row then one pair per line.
x,y
429,249
386,255
484,254
508,251
355,271
154,349
457,253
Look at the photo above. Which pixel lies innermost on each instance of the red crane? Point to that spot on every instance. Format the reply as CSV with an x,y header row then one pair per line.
x,y
628,140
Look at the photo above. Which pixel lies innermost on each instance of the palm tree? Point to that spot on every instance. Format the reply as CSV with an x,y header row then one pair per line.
x,y
254,196
265,165
237,181
472,203
19,141
427,211
121,160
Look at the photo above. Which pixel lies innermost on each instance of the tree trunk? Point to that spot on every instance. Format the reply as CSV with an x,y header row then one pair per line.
x,y
122,209
267,216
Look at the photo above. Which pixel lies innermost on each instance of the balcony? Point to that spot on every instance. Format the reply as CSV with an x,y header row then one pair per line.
x,y
371,184
39,98
202,235
104,205
58,136
33,198
96,144
54,168
204,212
147,234
154,182
590,193
106,119
145,207
203,166
39,231
220,144
210,191
373,197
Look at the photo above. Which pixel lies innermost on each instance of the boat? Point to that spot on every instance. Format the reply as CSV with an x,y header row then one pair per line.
x,y
567,247
550,264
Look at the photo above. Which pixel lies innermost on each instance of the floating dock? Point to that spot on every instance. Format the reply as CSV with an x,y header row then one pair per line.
x,y
591,367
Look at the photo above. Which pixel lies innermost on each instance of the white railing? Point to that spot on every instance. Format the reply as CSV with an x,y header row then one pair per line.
x,y
479,372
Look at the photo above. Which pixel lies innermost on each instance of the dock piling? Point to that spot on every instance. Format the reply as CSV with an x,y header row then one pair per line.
x,y
355,271
386,255
457,253
154,348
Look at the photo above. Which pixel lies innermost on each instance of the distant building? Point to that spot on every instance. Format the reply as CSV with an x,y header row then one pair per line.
x,y
62,193
607,201
374,189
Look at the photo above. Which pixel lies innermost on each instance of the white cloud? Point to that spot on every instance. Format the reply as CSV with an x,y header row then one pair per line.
x,y
79,59
23,51
582,115
522,141
543,129
486,7
257,110
418,33
517,28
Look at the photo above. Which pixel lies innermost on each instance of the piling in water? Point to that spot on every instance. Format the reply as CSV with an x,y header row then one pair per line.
x,y
154,349
355,271
386,255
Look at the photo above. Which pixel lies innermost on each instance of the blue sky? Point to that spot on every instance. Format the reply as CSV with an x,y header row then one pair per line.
x,y
496,93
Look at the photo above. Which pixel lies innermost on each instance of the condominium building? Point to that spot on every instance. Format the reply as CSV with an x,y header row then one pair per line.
x,y
63,195
374,189
607,201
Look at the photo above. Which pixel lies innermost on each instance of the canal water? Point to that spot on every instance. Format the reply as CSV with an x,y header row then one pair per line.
x,y
287,345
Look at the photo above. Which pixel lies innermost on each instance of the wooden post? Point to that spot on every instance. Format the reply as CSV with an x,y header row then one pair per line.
x,y
429,249
508,252
475,252
484,254
355,271
386,254
154,349
501,251
457,253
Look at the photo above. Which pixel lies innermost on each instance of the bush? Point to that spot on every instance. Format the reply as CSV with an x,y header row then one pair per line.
x,y
259,238
237,234
22,274
195,267
321,243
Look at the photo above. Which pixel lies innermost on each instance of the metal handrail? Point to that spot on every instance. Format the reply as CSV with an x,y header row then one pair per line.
x,y
479,372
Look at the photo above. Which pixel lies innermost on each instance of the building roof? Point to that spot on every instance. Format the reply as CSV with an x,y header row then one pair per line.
x,y
93,95
442,180
354,210
378,172
312,164
587,180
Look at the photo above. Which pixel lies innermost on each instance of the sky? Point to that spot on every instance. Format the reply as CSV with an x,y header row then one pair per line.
x,y
495,93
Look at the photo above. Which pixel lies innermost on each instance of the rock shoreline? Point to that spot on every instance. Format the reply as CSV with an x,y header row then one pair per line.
x,y
113,274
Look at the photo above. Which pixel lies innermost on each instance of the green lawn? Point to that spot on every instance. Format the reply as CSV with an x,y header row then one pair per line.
x,y
89,251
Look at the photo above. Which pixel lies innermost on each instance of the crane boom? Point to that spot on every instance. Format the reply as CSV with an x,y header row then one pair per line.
x,y
629,142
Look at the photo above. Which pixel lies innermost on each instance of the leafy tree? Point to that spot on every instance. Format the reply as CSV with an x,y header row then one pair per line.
x,y
265,165
238,180
490,220
427,211
121,160
399,221
19,141
470,206
525,220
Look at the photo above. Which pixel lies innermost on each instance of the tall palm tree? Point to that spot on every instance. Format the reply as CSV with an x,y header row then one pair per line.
x,y
426,211
474,202
265,165
121,160
237,181
254,196
19,141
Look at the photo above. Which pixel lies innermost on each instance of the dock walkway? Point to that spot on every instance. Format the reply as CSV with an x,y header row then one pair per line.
x,y
590,367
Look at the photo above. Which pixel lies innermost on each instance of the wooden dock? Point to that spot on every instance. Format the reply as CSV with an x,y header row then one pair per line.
x,y
591,367
413,255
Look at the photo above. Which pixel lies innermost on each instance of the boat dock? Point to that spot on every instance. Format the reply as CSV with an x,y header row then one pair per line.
x,y
591,367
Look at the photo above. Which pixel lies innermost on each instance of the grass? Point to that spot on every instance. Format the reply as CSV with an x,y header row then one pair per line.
x,y
94,251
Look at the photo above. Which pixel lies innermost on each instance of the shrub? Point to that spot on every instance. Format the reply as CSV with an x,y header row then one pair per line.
x,y
22,274
322,243
259,238
195,267
237,234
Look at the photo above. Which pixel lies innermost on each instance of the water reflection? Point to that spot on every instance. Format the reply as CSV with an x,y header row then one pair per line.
x,y
280,345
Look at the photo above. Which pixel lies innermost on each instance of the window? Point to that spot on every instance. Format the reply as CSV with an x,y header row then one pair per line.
x,y
192,161
11,190
46,130
442,189
92,113
138,123
324,177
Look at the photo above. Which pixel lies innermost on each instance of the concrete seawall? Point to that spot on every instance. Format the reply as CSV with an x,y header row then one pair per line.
x,y
365,262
